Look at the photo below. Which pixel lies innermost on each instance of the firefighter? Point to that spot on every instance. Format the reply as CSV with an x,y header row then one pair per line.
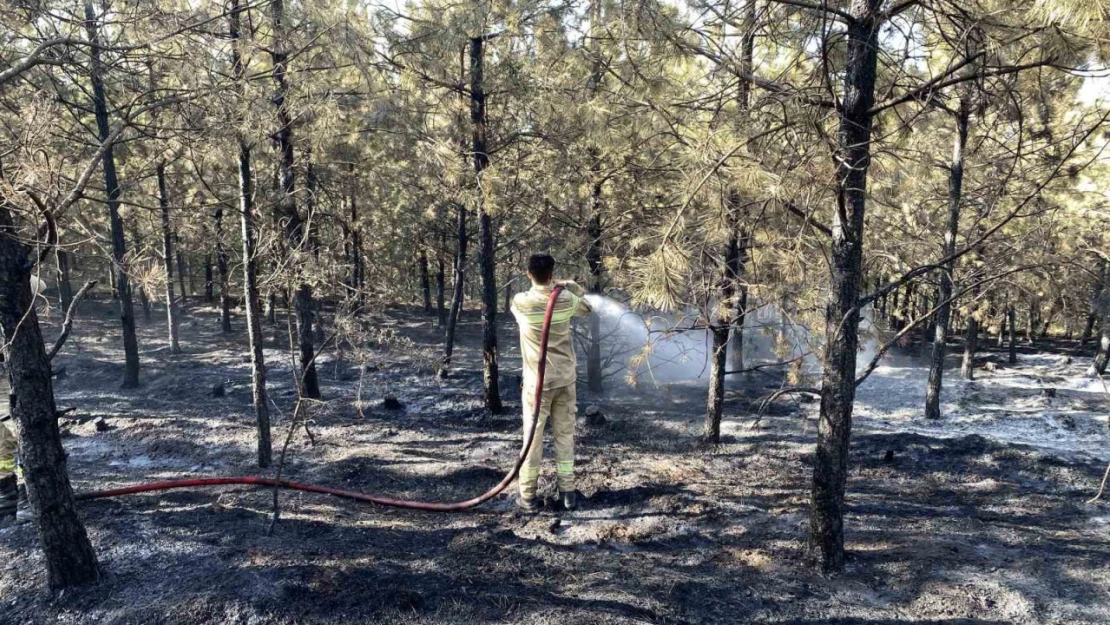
x,y
558,405
13,496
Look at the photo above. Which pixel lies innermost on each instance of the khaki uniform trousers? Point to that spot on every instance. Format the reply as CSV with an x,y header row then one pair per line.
x,y
558,407
8,446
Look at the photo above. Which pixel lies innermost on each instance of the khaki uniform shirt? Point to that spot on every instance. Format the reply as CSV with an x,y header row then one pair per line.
x,y
529,308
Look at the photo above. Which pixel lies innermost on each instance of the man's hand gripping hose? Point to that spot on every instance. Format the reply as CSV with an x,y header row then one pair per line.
x,y
365,497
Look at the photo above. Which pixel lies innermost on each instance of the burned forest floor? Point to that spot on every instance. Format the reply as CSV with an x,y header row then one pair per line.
x,y
979,518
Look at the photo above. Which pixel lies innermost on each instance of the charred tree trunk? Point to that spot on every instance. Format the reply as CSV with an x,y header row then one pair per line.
x,y
1096,297
111,185
425,281
907,305
271,308
896,322
594,230
719,329
306,314
507,292
883,301
251,303
838,390
357,269
295,233
744,240
1102,356
222,268
1011,327
971,345
68,554
65,286
144,303
167,259
1031,324
457,294
441,310
209,286
486,256
927,326
944,294
594,372
1002,331
188,272
180,267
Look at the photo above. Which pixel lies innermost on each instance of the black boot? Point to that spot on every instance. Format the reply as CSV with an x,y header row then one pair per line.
x,y
22,507
570,499
528,504
9,497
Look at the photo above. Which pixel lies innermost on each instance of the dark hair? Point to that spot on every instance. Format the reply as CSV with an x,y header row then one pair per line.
x,y
541,266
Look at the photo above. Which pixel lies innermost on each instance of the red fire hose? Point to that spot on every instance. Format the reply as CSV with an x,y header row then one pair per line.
x,y
364,497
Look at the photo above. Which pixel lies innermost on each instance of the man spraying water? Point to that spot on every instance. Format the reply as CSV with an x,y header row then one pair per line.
x,y
558,404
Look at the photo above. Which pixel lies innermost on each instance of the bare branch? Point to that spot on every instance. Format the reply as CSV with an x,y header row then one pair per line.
x,y
67,325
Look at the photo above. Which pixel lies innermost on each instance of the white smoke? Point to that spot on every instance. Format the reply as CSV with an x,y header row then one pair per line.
x,y
658,348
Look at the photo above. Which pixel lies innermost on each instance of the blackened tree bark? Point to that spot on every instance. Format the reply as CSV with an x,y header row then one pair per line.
x,y
1011,328
251,303
594,230
425,280
944,309
883,301
357,269
744,97
907,305
719,330
180,267
188,271
69,555
838,390
928,327
1031,323
223,269
1102,356
1002,331
111,185
971,345
1096,297
287,205
594,372
144,303
507,291
441,310
457,293
209,283
721,321
727,327
486,257
167,258
65,286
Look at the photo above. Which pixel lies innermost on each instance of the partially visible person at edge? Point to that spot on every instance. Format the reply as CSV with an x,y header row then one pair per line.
x,y
558,405
13,496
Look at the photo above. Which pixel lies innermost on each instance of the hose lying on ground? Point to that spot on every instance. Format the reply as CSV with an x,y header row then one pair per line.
x,y
456,506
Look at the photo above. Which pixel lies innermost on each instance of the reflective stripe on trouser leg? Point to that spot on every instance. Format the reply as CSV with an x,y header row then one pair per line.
x,y
530,470
563,412
7,448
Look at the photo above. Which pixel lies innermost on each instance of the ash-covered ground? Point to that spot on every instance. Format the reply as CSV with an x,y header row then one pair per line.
x,y
977,519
